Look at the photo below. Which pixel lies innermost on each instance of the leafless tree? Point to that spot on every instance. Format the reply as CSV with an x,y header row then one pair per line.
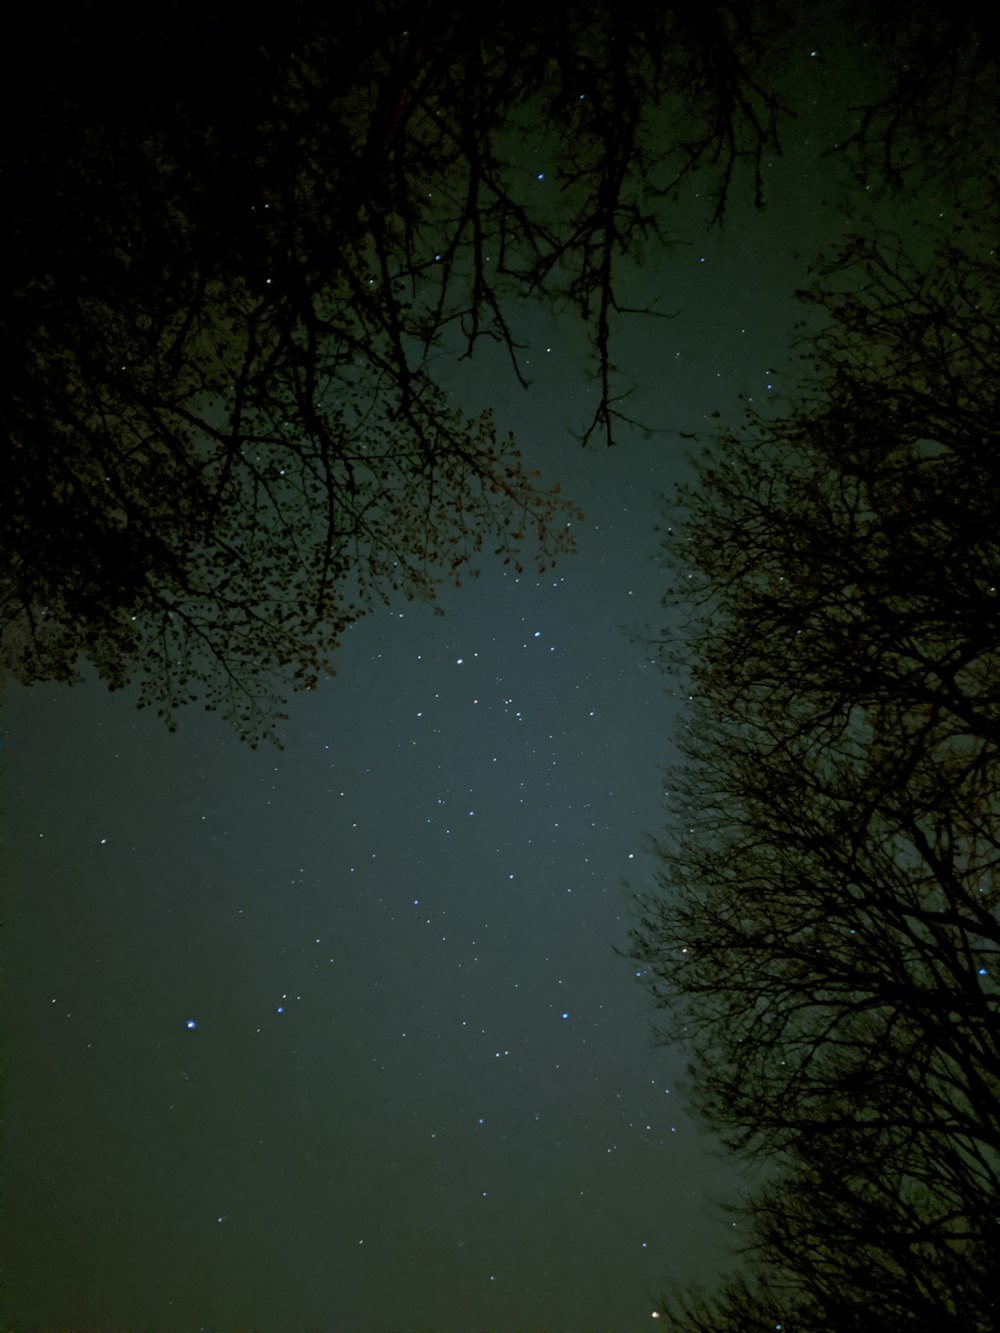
x,y
827,934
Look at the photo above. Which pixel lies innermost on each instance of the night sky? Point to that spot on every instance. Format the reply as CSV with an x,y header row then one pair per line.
x,y
338,1037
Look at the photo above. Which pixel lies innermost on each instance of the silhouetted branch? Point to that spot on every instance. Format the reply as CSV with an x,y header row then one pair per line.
x,y
827,934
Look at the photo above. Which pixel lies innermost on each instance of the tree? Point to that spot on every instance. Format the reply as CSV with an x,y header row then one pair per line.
x,y
827,933
235,263
242,254
933,119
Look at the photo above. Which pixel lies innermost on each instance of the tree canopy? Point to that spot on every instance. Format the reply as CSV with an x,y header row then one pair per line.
x,y
827,940
227,435
242,254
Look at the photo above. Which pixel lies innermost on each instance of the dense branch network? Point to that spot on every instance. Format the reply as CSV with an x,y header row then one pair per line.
x,y
828,936
236,265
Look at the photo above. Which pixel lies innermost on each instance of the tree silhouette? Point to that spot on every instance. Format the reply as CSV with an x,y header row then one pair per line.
x,y
934,117
828,935
235,262
242,255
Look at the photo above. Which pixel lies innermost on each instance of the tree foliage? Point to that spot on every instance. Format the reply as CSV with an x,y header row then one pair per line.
x,y
237,250
827,937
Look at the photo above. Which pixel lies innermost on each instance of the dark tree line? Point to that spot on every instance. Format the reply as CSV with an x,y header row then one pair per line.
x,y
828,936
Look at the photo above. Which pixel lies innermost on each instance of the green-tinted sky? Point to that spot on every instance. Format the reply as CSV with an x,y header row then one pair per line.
x,y
337,1037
